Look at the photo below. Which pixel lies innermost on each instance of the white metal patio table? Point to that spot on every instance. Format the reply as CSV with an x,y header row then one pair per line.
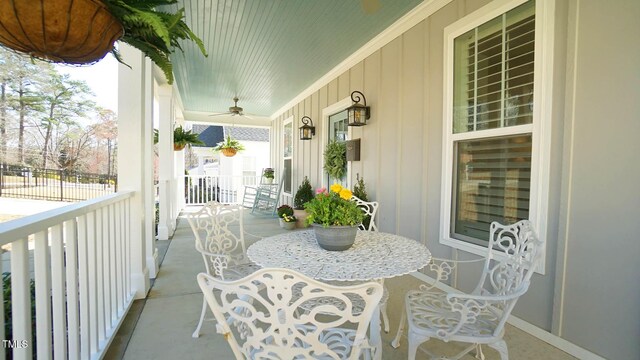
x,y
373,256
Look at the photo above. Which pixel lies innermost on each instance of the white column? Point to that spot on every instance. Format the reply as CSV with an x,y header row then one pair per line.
x,y
180,202
132,116
165,168
149,201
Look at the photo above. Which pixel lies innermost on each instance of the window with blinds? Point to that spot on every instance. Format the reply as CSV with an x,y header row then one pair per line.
x,y
492,178
493,77
492,89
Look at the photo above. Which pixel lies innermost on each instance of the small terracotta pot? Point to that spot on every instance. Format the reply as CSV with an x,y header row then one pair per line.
x,y
229,152
178,147
301,216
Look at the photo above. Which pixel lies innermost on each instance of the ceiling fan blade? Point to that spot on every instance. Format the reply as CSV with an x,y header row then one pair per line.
x,y
221,114
370,6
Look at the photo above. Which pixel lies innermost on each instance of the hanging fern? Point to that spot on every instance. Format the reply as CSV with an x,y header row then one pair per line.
x,y
335,159
156,33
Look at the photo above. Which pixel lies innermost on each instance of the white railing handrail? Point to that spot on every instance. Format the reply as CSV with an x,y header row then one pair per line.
x,y
23,227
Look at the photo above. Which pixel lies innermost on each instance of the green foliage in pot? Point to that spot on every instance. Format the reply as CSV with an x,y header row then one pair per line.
x,y
180,137
285,210
359,189
156,33
360,192
268,173
229,143
303,195
333,208
335,159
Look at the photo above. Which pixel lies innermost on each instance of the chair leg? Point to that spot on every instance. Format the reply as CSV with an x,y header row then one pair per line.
x,y
403,322
385,317
413,344
196,333
501,347
479,353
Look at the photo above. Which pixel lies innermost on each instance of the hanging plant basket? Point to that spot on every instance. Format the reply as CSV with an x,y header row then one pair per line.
x,y
229,152
69,31
178,147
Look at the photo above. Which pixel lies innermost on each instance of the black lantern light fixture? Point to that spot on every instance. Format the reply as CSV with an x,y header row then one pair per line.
x,y
307,131
358,114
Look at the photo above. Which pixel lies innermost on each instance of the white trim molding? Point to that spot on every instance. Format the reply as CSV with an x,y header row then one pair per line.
x,y
540,129
402,25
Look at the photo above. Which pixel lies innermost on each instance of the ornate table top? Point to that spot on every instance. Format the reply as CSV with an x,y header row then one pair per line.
x,y
374,255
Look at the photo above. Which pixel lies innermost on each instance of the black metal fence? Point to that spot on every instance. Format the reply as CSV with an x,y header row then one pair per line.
x,y
49,184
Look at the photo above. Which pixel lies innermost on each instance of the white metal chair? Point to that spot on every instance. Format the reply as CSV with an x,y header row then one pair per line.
x,y
479,317
370,208
262,317
223,250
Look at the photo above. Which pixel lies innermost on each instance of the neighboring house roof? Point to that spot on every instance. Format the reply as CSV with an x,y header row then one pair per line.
x,y
247,133
209,135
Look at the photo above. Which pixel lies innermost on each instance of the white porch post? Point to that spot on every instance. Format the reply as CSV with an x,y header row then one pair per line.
x,y
179,166
167,158
149,201
133,117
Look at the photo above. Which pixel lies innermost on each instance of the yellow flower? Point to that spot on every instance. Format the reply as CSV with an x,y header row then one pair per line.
x,y
345,194
336,188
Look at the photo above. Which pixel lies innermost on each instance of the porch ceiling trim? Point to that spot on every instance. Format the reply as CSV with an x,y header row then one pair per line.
x,y
406,22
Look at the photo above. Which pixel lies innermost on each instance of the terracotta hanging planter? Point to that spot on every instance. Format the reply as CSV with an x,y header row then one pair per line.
x,y
178,147
70,31
229,152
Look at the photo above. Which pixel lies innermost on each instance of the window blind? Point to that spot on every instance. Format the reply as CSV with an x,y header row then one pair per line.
x,y
493,179
493,81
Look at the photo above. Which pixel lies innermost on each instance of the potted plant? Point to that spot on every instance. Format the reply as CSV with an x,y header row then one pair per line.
x,y
268,174
61,33
181,138
303,196
335,159
287,219
360,192
229,147
334,217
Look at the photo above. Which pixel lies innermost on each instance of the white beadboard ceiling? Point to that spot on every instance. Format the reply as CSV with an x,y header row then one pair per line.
x,y
266,52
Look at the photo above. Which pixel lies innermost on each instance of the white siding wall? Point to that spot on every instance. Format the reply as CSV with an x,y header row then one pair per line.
x,y
590,294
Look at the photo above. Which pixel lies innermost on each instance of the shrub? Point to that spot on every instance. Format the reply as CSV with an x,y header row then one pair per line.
x,y
303,195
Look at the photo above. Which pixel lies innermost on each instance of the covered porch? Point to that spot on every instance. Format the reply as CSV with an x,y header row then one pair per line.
x,y
160,326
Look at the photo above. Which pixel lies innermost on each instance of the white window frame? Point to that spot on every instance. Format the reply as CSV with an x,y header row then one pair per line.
x,y
286,122
540,128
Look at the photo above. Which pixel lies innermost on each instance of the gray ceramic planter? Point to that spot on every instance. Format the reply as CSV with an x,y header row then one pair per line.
x,y
335,238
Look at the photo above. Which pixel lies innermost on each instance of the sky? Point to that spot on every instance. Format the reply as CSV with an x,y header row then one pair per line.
x,y
102,78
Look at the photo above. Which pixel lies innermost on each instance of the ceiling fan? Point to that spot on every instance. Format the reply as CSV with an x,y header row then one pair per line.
x,y
234,110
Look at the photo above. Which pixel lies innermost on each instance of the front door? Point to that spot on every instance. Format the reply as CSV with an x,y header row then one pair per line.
x,y
338,130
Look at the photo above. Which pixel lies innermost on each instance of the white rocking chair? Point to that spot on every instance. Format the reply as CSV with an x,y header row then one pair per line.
x,y
262,317
477,318
223,251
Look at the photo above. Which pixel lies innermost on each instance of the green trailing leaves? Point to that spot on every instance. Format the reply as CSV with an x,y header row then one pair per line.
x,y
156,33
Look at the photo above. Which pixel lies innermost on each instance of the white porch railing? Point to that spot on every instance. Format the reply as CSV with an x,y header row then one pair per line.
x,y
225,189
81,266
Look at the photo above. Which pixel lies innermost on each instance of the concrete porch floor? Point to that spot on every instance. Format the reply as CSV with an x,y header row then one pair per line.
x,y
160,326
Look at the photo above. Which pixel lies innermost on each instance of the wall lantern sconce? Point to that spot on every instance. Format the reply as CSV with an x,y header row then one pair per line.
x,y
307,131
358,113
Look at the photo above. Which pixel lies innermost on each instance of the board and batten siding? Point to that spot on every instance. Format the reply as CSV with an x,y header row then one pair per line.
x,y
590,293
